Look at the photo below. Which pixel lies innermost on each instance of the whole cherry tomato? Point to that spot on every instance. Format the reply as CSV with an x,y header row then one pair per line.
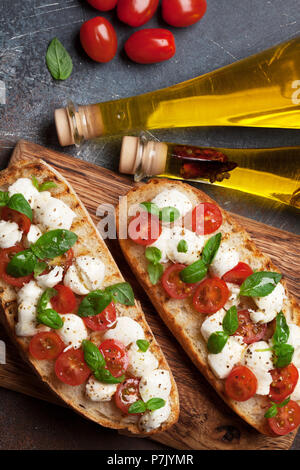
x,y
103,5
136,12
149,46
182,13
99,40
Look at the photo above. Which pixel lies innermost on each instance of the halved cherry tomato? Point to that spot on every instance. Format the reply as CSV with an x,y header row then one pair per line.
x,y
46,346
206,218
136,12
104,320
99,40
103,5
144,228
238,274
183,12
115,355
65,300
127,393
211,295
284,382
5,256
241,384
71,368
173,285
149,46
251,332
14,216
286,420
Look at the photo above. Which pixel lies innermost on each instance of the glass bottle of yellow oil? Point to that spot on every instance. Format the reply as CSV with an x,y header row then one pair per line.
x,y
260,91
273,173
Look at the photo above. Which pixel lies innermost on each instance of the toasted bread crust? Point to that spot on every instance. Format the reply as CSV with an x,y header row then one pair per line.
x,y
181,318
89,242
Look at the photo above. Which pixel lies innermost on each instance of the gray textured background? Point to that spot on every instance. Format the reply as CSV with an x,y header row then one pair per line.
x,y
230,30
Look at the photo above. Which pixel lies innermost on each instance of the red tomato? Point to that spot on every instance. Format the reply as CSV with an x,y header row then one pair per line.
x,y
183,12
5,256
115,355
149,46
46,345
211,295
136,12
69,255
103,5
99,40
173,285
71,368
286,420
127,393
241,384
14,216
238,274
144,228
65,300
284,382
251,332
206,218
104,320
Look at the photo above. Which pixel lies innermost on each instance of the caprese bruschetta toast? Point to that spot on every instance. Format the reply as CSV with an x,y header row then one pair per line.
x,y
69,310
224,301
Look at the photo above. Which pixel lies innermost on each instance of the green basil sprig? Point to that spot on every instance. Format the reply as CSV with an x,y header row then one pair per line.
x,y
273,410
260,284
58,60
143,345
155,268
210,249
39,268
4,198
96,301
18,203
43,186
182,246
22,264
282,331
166,214
48,316
140,406
122,293
54,243
96,363
283,352
218,339
103,375
150,207
231,321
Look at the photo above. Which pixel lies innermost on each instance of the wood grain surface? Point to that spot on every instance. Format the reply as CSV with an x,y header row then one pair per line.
x,y
205,421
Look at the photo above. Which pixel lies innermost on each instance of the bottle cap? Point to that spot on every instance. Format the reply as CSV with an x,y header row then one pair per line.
x,y
128,158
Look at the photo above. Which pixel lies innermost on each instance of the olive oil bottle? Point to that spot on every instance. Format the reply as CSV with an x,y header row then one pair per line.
x,y
260,91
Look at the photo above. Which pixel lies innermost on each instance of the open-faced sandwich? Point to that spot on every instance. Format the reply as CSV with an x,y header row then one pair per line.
x,y
224,300
68,309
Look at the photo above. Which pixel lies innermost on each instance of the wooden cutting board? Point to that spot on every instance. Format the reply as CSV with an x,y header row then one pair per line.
x,y
205,421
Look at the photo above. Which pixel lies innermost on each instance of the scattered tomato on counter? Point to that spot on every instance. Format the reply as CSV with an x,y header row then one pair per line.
x,y
103,5
99,40
183,13
136,12
149,46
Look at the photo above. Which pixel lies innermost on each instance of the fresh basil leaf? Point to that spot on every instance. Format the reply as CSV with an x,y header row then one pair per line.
x,y
216,342
4,198
210,249
35,182
155,404
21,264
39,268
50,317
92,355
271,412
143,344
150,207
283,354
103,375
137,407
260,284
45,298
182,246
95,302
285,402
155,272
122,292
153,254
195,272
54,243
282,331
58,60
47,185
231,321
18,203
169,214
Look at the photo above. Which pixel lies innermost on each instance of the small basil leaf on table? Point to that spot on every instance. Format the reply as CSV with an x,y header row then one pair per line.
x,y
45,298
169,214
4,198
122,293
155,404
231,321
103,375
21,264
143,344
195,272
153,254
260,284
54,243
216,342
50,317
58,60
18,203
182,246
92,355
155,272
39,268
150,207
283,354
94,302
210,249
282,331
137,407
